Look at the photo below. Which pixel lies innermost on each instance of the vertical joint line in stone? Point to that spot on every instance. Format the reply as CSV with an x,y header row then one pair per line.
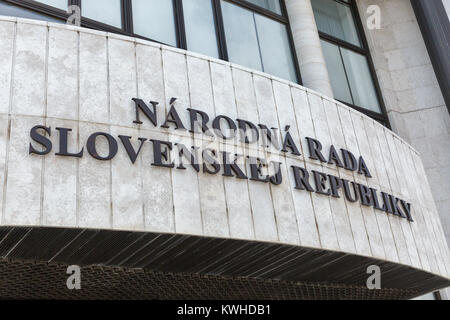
x,y
282,156
392,158
402,224
259,120
5,184
289,180
304,158
353,113
338,169
274,212
108,80
193,140
423,235
321,165
409,226
426,238
13,63
379,183
339,110
8,133
218,151
141,168
296,121
165,108
212,87
77,206
237,113
390,217
349,111
47,53
439,253
389,176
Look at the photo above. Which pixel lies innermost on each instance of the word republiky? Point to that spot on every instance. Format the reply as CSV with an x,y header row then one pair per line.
x,y
212,161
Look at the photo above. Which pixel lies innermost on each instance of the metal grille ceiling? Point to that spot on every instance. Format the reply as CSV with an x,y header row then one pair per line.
x,y
133,265
31,280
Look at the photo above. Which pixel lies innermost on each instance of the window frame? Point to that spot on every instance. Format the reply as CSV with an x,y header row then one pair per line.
x,y
381,117
127,22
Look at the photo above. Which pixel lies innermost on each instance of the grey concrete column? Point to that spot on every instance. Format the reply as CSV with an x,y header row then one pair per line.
x,y
435,27
307,45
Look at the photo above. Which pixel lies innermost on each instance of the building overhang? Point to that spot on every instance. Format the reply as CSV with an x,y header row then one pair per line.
x,y
142,265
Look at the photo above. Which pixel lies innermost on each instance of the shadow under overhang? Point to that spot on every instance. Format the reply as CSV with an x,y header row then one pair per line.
x,y
142,265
